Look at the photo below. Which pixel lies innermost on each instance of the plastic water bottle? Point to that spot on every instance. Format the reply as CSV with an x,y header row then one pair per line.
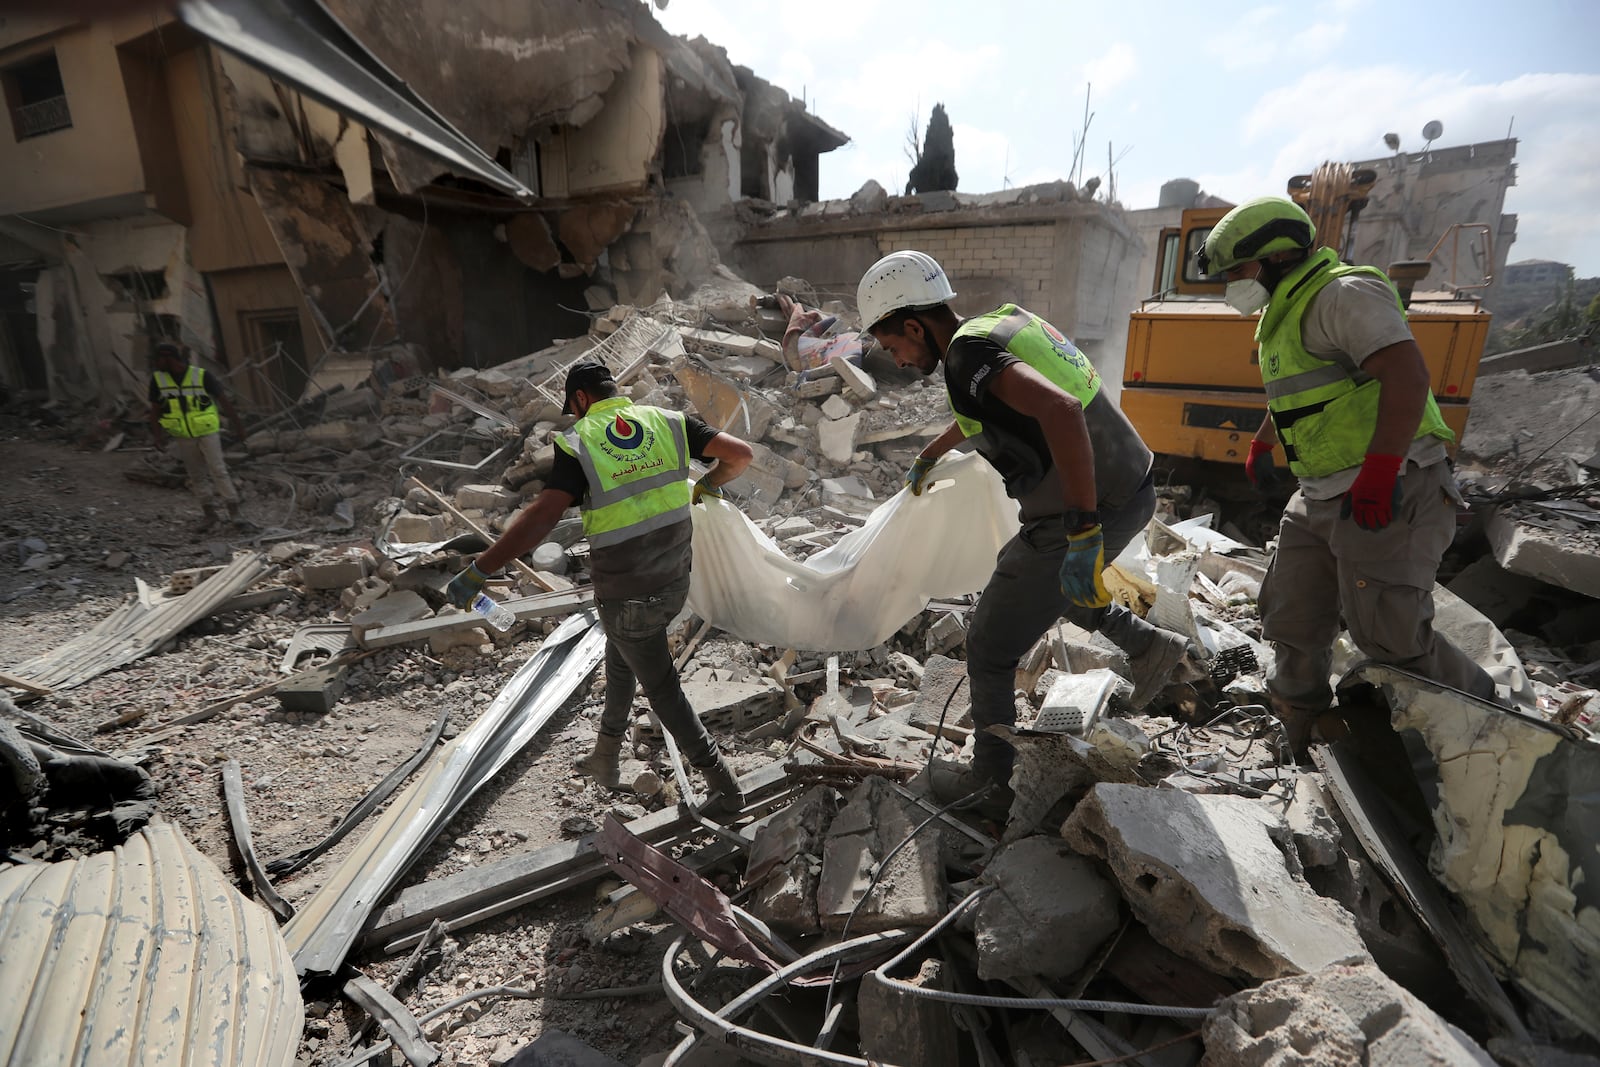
x,y
496,614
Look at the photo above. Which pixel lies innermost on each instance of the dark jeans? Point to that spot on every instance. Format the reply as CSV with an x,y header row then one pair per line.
x,y
1022,600
636,654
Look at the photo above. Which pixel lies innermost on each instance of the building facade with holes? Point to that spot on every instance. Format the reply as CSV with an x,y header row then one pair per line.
x,y
156,185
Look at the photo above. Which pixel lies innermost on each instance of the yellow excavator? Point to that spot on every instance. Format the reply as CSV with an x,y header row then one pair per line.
x,y
1190,381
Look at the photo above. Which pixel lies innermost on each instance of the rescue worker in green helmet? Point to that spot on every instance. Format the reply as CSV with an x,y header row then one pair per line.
x,y
1032,405
1349,401
627,466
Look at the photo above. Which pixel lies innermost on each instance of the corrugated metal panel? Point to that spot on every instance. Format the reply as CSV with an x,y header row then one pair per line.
x,y
325,927
144,955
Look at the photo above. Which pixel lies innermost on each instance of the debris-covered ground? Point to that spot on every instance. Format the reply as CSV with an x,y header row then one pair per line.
x,y
1174,859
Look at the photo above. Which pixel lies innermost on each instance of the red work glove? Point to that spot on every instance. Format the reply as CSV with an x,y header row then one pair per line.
x,y
1375,496
1259,470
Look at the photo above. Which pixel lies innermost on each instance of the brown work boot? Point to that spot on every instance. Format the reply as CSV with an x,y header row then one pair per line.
x,y
210,517
604,763
724,798
1297,723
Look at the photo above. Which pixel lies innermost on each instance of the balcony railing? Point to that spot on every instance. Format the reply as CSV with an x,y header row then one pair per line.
x,y
44,116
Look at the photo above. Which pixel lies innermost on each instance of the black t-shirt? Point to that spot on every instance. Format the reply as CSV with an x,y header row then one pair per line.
x,y
970,368
567,474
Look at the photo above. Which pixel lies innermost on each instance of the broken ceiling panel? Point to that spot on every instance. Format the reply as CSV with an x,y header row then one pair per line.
x,y
329,255
144,954
500,70
299,42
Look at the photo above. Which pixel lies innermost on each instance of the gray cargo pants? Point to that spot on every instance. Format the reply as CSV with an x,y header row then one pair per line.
x,y
1381,581
206,469
1022,600
636,654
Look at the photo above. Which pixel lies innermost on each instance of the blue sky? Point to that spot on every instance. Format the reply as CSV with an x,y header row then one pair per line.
x,y
1239,97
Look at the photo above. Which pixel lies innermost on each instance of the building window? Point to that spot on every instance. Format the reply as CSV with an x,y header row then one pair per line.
x,y
36,98
277,351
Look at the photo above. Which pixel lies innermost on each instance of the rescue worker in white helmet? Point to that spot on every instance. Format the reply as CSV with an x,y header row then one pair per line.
x,y
1349,401
1032,405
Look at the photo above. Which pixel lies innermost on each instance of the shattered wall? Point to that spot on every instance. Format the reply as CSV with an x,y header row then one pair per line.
x,y
1419,197
1074,263
497,69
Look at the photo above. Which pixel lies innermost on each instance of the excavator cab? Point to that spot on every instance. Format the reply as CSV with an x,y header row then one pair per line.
x,y
1191,383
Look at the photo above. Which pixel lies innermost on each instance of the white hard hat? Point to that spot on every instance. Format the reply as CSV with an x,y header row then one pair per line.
x,y
898,282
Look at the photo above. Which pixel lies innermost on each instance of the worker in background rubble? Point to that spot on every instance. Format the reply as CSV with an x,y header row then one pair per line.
x,y
183,407
1033,406
627,466
1349,400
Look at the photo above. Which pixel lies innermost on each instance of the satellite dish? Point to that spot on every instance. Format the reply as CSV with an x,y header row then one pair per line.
x,y
1432,130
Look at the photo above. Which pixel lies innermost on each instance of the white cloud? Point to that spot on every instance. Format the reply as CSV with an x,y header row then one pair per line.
x,y
1117,65
1557,195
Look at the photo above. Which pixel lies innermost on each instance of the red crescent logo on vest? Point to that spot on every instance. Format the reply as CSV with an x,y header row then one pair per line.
x,y
625,433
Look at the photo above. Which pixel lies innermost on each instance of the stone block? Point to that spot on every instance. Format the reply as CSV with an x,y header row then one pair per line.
x,y
469,637
857,382
363,594
1210,877
723,403
792,527
836,407
901,1028
1310,819
397,607
410,528
726,706
786,862
1337,1016
837,437
315,690
334,573
1051,911
814,387
910,890
486,498
946,633
941,678
849,490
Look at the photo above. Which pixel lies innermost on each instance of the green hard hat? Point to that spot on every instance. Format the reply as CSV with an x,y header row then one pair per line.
x,y
1253,230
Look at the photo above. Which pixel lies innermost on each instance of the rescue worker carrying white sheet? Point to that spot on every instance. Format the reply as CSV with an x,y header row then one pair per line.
x,y
627,465
1032,405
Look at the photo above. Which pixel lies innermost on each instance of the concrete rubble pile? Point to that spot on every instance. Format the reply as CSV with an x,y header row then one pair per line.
x,y
1168,887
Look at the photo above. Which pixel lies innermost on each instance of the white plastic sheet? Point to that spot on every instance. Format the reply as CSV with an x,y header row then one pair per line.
x,y
858,592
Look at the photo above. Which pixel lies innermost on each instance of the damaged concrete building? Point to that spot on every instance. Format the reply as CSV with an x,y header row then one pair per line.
x,y
299,192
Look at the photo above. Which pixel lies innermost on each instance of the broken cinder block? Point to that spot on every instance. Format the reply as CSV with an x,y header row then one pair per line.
x,y
1052,911
911,889
315,690
409,528
334,573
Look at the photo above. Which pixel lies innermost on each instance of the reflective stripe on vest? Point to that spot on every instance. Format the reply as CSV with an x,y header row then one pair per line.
x,y
190,411
635,459
1039,345
1325,415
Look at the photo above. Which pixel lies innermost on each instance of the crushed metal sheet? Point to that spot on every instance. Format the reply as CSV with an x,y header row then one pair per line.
x,y
233,792
444,448
624,352
299,42
138,627
681,893
326,926
397,1022
142,955
1516,807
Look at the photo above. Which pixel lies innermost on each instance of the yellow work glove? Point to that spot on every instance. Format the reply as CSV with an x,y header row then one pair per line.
x,y
702,490
917,476
1081,568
